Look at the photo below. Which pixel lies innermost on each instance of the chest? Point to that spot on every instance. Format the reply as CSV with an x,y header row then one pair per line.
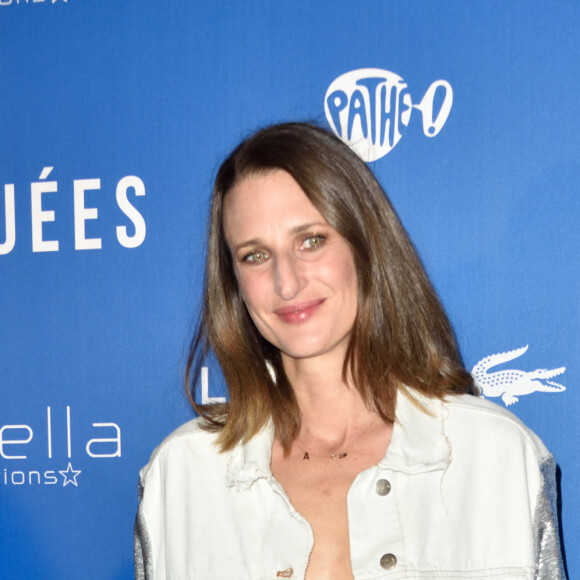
x,y
319,494
318,488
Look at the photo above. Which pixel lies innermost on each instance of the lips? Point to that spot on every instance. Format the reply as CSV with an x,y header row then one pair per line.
x,y
300,312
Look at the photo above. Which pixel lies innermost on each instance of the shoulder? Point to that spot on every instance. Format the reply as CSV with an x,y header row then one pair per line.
x,y
190,444
482,422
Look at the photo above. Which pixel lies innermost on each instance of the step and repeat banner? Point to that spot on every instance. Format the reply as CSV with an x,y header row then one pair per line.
x,y
113,119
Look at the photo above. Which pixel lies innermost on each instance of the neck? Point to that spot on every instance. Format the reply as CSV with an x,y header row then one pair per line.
x,y
333,411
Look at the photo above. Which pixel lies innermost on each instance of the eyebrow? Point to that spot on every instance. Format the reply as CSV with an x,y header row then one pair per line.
x,y
302,228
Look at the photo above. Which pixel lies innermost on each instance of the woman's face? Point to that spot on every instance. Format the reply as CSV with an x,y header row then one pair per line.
x,y
296,272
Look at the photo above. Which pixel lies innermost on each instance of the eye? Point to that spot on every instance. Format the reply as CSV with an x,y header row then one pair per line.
x,y
256,257
313,242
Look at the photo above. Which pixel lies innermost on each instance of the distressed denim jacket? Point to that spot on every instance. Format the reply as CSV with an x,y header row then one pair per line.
x,y
465,490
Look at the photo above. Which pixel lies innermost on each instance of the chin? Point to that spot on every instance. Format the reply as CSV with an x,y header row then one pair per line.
x,y
311,350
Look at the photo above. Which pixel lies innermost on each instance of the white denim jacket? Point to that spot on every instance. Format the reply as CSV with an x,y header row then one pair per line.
x,y
464,491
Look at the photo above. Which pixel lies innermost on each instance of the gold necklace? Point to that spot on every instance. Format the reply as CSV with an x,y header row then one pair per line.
x,y
335,456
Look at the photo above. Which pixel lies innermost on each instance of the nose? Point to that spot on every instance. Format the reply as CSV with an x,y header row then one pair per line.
x,y
289,278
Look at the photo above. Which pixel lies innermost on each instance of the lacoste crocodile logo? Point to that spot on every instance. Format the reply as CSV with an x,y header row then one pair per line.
x,y
509,384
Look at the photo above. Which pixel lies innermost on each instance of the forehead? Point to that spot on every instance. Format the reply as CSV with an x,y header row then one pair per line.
x,y
263,204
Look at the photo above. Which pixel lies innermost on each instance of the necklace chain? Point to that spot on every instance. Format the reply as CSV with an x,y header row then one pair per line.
x,y
335,456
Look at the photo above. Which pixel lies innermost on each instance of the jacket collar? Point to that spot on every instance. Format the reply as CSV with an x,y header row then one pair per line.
x,y
418,443
250,461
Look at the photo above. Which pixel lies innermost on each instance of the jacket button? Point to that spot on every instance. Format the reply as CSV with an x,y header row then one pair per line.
x,y
388,561
383,487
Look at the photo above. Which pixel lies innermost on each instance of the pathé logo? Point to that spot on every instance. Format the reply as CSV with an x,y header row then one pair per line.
x,y
369,107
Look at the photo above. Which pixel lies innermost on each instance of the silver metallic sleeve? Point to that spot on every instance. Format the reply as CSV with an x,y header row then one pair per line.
x,y
143,566
549,564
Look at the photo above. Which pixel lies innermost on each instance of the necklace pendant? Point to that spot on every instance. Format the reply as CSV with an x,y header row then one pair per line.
x,y
306,456
336,456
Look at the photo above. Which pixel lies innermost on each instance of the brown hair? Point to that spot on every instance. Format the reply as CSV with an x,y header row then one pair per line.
x,y
401,337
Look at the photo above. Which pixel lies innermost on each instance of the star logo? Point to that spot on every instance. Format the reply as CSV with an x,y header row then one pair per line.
x,y
70,475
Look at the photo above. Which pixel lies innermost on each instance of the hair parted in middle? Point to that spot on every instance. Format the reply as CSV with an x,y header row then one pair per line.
x,y
402,338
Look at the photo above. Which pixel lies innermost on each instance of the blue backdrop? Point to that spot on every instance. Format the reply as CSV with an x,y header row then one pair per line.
x,y
113,118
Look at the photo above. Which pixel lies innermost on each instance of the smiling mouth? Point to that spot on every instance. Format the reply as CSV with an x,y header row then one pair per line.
x,y
300,312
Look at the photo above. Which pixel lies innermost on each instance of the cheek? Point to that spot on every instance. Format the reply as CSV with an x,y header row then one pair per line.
x,y
351,284
353,289
252,292
255,308
344,275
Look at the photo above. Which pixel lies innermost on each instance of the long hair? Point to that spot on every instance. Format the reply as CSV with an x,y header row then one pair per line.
x,y
401,339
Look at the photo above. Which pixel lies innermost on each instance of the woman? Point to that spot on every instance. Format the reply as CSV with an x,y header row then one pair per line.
x,y
352,445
